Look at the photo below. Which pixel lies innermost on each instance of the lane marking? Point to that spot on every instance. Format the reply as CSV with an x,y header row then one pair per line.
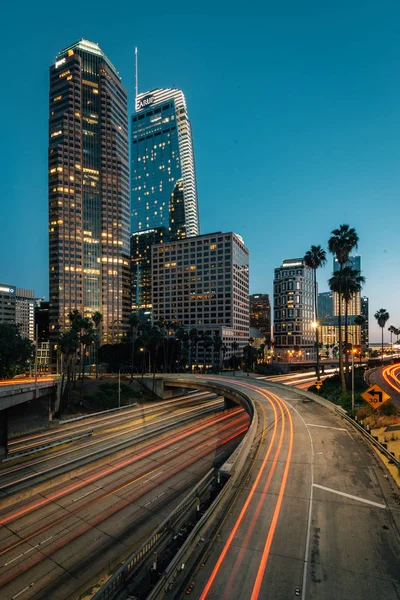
x,y
325,427
27,552
87,494
24,590
326,489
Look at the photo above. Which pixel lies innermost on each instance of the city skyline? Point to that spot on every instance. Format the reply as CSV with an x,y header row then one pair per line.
x,y
335,147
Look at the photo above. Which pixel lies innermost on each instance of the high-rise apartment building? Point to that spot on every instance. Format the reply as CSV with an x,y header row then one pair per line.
x,y
260,314
203,283
89,208
163,182
325,306
293,311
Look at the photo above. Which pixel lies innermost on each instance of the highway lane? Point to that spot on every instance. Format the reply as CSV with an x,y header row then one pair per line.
x,y
317,517
60,546
299,380
118,432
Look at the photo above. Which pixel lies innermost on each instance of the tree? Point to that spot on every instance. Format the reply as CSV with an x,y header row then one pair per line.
x,y
382,316
360,321
207,344
194,339
97,318
134,323
342,241
15,351
315,258
392,331
68,344
351,283
218,343
234,346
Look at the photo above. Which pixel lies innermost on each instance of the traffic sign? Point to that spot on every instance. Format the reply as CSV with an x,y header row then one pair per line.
x,y
375,396
318,383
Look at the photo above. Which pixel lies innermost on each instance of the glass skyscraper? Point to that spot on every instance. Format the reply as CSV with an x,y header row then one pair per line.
x,y
163,182
88,191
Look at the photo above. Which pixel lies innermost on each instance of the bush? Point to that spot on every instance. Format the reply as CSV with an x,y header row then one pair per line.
x,y
107,396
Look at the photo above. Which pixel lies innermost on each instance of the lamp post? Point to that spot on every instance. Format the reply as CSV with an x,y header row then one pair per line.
x,y
314,325
144,359
119,388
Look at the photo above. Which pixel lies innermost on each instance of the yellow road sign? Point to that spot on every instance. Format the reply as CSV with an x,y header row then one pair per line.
x,y
375,396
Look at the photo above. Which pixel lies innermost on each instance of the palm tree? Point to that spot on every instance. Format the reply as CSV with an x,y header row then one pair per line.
x,y
134,322
224,350
392,331
342,241
86,338
97,318
352,282
382,316
315,258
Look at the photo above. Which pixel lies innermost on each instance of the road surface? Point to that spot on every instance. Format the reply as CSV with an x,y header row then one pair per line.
x,y
318,518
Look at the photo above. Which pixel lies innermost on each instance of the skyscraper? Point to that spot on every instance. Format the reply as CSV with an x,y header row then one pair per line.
x,y
163,182
163,163
89,206
354,307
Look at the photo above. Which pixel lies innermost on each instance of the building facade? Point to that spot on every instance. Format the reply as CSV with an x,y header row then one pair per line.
x,y
354,307
325,306
25,312
163,182
89,207
260,314
7,304
203,283
293,311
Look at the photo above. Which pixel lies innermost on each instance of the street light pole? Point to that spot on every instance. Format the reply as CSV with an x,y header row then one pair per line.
x,y
352,380
119,388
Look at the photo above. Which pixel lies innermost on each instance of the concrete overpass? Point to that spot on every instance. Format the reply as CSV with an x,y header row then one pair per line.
x,y
26,405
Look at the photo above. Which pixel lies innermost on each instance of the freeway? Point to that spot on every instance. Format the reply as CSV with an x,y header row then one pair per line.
x,y
299,380
317,517
69,516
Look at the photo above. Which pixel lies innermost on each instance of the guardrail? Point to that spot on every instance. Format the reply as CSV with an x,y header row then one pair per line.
x,y
120,579
373,441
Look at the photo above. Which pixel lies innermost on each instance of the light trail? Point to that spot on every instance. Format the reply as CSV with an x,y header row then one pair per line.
x,y
137,456
390,376
264,558
236,430
90,444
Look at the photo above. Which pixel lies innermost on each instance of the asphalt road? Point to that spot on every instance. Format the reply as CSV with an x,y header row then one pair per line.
x,y
318,517
57,544
389,379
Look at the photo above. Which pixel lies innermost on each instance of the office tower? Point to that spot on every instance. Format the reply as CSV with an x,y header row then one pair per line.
x,y
25,312
203,283
293,311
42,319
7,304
163,180
365,327
260,314
89,205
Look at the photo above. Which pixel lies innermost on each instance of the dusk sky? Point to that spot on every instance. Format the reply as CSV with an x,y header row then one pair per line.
x,y
295,112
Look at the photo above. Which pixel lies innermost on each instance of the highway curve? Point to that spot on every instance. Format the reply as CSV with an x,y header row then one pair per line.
x,y
318,517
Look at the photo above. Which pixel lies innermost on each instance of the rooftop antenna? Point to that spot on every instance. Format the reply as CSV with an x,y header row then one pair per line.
x,y
136,76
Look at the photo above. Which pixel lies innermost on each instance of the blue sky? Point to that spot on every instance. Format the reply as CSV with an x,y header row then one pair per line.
x,y
295,114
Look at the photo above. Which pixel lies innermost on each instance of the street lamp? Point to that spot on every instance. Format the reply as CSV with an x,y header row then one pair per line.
x,y
314,325
144,358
